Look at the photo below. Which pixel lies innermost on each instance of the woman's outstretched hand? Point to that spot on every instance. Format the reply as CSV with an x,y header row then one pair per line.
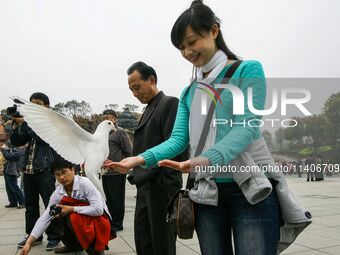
x,y
125,165
185,166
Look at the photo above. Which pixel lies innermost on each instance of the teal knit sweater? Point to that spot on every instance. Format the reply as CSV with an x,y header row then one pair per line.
x,y
230,140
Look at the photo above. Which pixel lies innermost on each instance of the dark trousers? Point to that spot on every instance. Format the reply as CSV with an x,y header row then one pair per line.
x,y
69,238
42,184
310,175
153,236
114,188
14,193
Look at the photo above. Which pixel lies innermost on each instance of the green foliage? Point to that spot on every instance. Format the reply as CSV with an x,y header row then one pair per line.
x,y
131,107
112,107
73,108
306,151
325,148
268,137
279,136
317,134
332,113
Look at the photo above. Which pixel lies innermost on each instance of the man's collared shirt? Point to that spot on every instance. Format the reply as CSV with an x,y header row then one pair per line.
x,y
82,189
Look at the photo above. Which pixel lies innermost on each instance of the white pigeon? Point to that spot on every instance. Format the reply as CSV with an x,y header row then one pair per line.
x,y
68,139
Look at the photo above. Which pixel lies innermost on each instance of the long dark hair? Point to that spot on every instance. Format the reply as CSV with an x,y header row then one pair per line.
x,y
201,19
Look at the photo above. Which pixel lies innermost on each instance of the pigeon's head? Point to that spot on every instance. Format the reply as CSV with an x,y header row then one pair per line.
x,y
106,126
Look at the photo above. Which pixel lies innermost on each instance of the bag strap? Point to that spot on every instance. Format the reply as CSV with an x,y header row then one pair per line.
x,y
205,130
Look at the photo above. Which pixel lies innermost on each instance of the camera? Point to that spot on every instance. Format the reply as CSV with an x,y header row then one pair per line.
x,y
13,111
54,210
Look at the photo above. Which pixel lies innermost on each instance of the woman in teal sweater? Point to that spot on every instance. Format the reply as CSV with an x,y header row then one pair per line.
x,y
255,228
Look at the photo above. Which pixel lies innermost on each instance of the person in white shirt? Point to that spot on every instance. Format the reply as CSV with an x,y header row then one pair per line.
x,y
85,202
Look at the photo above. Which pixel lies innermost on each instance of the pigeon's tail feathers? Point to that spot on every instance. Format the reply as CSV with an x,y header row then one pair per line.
x,y
94,178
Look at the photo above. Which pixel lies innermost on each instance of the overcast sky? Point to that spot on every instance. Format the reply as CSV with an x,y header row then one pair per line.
x,y
81,49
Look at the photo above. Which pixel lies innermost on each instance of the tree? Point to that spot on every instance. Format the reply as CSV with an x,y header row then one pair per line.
x,y
59,108
279,137
131,107
111,106
90,123
296,133
332,112
316,127
268,137
73,108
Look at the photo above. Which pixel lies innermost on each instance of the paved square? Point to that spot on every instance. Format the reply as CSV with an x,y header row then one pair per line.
x,y
322,199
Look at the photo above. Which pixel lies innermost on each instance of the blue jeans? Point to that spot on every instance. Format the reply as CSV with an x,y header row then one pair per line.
x,y
14,194
255,228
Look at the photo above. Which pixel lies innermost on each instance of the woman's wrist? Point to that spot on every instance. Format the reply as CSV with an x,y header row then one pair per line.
x,y
141,160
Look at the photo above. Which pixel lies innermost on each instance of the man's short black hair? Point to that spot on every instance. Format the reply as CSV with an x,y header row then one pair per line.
x,y
40,96
144,70
110,112
60,164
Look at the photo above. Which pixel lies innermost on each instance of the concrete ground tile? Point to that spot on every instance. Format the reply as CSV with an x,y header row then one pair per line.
x,y
183,250
194,240
11,224
128,230
130,240
314,241
333,233
324,212
310,252
9,240
18,232
293,248
195,247
10,250
329,221
319,238
335,250
119,245
10,216
179,244
315,226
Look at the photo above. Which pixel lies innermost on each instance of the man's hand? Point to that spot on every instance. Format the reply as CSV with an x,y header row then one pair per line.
x,y
27,247
185,166
65,209
125,165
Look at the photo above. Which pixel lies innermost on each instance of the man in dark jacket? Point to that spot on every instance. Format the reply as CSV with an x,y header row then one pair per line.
x,y
114,182
38,179
155,186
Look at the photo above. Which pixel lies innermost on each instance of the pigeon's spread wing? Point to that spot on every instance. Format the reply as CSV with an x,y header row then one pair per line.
x,y
64,135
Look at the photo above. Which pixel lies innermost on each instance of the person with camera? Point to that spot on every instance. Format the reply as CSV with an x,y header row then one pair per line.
x,y
80,212
38,179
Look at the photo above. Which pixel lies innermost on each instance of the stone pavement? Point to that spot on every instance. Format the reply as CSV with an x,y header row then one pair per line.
x,y
322,237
